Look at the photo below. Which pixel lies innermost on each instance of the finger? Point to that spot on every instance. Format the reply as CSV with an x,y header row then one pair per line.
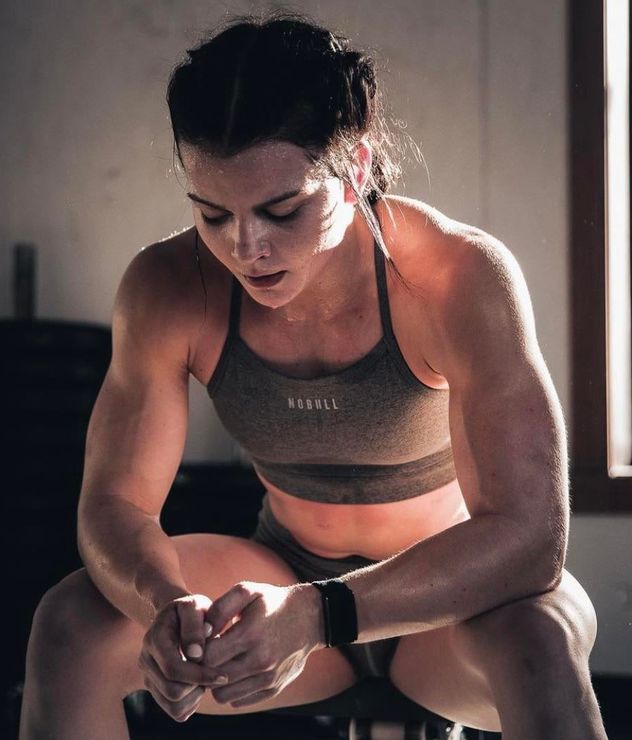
x,y
254,699
242,666
171,690
171,663
245,688
162,641
192,635
181,671
232,644
164,633
181,710
229,606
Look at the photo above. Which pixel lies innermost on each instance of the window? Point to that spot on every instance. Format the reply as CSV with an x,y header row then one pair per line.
x,y
601,469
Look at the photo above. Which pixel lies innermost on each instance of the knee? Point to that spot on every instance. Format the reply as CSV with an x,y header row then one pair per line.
x,y
537,626
538,629
74,629
58,614
69,614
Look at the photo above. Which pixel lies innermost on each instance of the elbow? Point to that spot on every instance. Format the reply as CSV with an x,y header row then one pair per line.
x,y
83,530
83,543
546,542
554,572
555,549
538,554
81,546
546,562
80,534
93,528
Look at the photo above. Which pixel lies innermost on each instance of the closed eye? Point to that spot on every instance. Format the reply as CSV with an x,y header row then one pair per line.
x,y
286,217
216,221
213,221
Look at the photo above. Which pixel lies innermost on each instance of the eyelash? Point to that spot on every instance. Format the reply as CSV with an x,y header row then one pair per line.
x,y
220,219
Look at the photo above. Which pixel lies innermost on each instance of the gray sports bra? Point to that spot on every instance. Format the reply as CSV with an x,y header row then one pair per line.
x,y
367,434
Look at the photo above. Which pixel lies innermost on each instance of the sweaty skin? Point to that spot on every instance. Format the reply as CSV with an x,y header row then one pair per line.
x,y
475,579
324,314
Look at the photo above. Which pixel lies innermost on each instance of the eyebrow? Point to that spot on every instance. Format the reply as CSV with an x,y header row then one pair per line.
x,y
277,199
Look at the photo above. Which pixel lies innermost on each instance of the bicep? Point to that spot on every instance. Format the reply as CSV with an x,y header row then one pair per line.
x,y
509,447
506,422
137,429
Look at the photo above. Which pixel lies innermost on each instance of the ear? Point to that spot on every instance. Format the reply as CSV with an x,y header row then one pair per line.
x,y
360,170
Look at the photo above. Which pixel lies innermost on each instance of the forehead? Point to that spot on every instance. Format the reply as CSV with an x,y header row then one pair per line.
x,y
283,161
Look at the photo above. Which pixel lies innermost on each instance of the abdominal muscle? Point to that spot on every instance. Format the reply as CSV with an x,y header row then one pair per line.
x,y
374,531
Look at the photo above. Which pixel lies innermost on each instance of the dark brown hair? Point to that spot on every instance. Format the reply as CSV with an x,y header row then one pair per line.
x,y
281,76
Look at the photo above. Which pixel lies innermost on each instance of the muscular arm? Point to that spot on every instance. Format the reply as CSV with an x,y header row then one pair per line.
x,y
134,445
509,445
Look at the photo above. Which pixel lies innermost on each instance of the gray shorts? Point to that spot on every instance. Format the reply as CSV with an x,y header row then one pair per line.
x,y
367,658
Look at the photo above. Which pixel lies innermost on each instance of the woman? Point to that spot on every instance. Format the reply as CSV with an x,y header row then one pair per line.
x,y
379,362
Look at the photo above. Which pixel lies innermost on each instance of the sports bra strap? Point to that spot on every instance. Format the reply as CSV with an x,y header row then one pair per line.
x,y
387,326
382,293
235,306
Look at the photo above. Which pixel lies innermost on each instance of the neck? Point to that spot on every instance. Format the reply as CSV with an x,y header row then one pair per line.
x,y
338,281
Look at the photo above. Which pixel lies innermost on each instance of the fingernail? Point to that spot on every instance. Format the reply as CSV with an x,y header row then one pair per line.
x,y
194,651
208,629
221,680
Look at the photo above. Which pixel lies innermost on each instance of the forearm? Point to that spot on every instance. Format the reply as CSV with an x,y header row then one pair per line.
x,y
463,571
129,557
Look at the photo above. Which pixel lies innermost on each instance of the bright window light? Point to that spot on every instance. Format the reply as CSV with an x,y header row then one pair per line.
x,y
619,339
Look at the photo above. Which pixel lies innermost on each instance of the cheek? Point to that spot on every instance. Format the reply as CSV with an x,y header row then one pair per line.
x,y
330,232
309,241
322,229
211,238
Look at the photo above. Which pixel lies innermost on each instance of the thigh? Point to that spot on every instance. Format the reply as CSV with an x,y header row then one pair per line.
x,y
211,564
212,567
429,668
447,669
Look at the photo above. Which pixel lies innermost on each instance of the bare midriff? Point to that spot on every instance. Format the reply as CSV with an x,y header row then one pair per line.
x,y
375,531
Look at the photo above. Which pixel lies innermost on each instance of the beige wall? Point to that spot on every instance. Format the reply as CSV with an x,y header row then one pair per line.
x,y
86,169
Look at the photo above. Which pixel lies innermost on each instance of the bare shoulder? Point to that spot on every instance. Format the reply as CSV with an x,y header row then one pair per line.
x,y
455,268
167,293
436,251
166,269
427,243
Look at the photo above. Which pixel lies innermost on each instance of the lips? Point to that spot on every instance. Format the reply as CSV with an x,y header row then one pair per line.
x,y
264,274
266,281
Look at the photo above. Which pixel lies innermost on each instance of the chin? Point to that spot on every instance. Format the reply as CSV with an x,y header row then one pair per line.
x,y
269,301
272,297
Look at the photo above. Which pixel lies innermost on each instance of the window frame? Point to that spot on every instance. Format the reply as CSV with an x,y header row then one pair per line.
x,y
592,489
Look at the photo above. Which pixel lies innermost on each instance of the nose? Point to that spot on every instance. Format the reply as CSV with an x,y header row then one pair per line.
x,y
249,245
247,252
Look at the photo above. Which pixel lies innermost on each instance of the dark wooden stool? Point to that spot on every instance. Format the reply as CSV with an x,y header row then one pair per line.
x,y
373,709
376,709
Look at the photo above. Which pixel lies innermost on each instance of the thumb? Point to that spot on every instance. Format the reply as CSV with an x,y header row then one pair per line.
x,y
192,630
226,609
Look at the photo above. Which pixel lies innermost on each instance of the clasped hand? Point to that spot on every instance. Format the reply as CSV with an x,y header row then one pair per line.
x,y
263,641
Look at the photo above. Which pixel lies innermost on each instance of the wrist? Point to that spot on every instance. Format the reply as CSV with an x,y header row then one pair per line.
x,y
156,593
165,595
311,605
